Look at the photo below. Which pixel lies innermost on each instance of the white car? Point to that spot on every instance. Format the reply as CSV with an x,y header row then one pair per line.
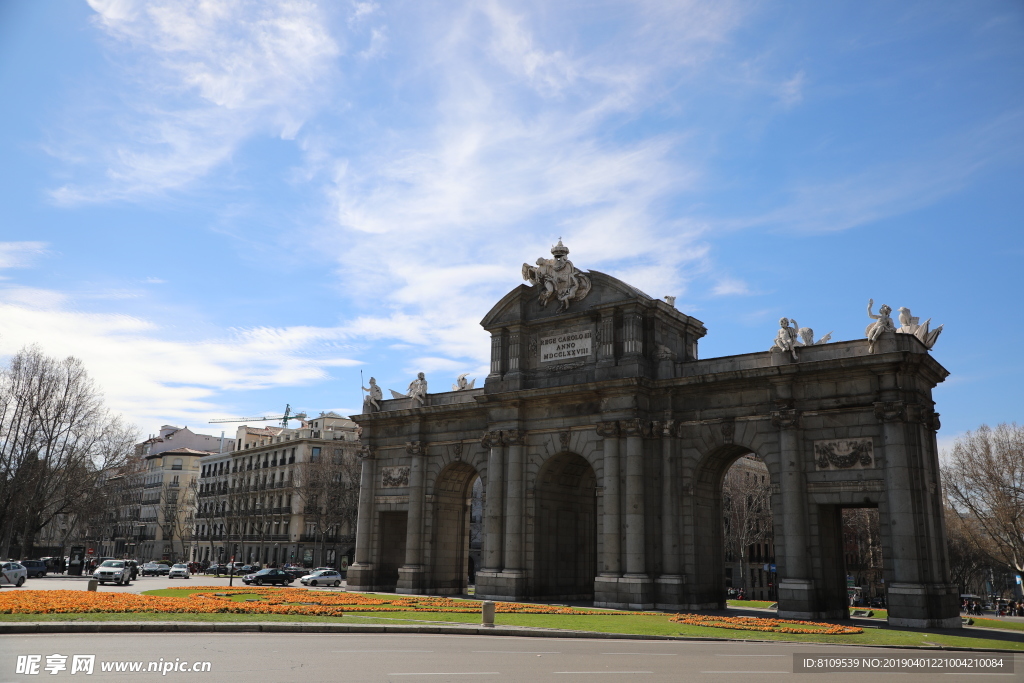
x,y
114,571
13,573
179,571
322,577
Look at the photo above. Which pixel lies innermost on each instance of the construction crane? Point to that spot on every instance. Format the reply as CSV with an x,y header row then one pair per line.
x,y
283,418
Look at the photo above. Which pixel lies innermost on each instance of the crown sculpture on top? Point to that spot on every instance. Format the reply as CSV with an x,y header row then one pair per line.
x,y
557,278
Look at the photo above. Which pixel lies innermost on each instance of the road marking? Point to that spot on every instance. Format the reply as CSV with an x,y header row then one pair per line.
x,y
517,652
449,673
602,672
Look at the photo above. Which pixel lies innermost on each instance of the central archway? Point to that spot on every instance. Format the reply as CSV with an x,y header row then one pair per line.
x,y
714,560
566,529
453,494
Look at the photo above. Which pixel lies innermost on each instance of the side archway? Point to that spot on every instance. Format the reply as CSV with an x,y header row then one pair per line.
x,y
453,493
565,528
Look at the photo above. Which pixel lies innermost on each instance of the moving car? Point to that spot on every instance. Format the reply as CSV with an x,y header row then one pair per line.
x,y
13,573
115,571
272,576
322,577
179,571
153,569
34,567
216,569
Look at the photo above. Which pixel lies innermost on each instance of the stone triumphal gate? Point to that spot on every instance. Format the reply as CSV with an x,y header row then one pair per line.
x,y
602,442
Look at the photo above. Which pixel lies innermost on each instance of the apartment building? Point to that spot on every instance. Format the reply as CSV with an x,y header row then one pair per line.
x,y
280,495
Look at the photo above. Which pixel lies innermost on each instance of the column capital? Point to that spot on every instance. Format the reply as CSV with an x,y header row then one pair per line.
x,y
491,438
607,430
367,452
415,448
514,437
636,427
664,428
785,419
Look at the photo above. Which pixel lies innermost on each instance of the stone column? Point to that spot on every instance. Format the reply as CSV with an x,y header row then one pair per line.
x,y
917,596
796,589
414,525
493,545
496,365
360,574
606,337
669,504
611,561
636,563
515,561
632,334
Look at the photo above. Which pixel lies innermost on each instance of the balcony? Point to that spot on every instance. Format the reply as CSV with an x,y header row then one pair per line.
x,y
317,538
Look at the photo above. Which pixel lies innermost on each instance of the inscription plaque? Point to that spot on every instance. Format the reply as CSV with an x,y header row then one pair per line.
x,y
565,346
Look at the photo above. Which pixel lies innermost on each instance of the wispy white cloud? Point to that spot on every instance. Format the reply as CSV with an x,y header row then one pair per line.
x,y
20,254
149,375
203,78
730,287
451,207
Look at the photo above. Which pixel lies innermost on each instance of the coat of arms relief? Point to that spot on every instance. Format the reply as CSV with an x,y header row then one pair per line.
x,y
557,278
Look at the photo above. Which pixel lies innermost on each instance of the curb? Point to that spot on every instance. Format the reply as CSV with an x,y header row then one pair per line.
x,y
51,627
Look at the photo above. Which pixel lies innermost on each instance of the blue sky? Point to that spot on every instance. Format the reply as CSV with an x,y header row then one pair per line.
x,y
224,207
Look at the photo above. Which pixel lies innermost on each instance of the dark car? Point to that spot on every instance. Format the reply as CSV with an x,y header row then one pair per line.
x,y
216,569
34,567
296,572
269,576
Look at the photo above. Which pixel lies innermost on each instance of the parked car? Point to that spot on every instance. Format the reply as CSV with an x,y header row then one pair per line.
x,y
114,571
13,573
271,576
34,567
152,569
322,577
216,569
179,571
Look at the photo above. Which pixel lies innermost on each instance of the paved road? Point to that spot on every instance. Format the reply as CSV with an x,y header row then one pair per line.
x,y
147,583
269,658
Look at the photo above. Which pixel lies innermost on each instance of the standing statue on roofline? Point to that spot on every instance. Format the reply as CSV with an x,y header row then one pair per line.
x,y
371,402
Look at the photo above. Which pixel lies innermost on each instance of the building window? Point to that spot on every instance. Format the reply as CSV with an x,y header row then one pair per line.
x,y
315,454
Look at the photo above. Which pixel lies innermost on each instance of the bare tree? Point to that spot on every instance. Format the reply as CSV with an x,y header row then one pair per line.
x,y
747,510
56,441
970,552
330,491
984,486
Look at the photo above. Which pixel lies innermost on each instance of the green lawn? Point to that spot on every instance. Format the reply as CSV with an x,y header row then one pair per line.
x,y
758,604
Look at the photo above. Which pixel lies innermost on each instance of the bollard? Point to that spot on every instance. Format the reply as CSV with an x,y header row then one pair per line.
x,y
93,583
487,612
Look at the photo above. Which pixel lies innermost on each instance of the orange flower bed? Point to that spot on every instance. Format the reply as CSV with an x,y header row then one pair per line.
x,y
765,625
217,600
